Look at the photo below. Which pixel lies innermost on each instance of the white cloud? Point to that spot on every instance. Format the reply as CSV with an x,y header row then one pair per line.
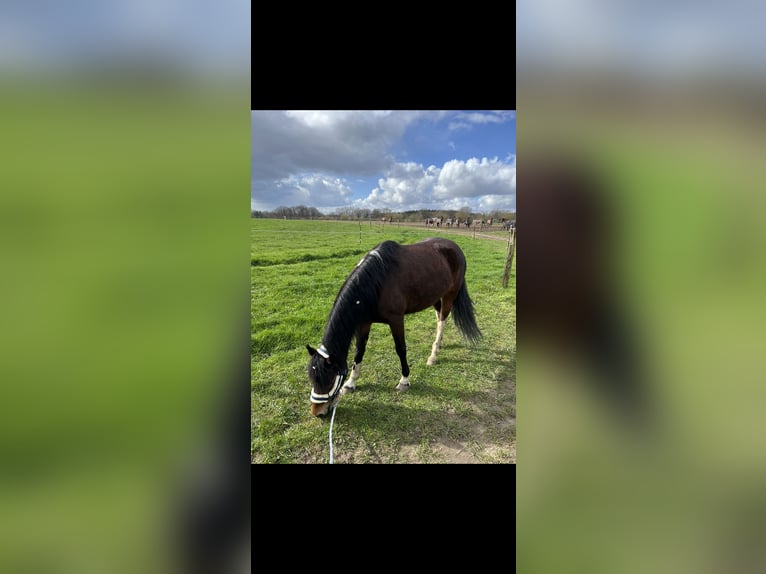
x,y
485,118
315,158
483,184
335,142
475,178
459,125
405,184
315,190
466,120
500,202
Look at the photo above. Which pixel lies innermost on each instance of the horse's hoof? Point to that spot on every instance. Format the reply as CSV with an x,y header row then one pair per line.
x,y
403,387
430,361
347,389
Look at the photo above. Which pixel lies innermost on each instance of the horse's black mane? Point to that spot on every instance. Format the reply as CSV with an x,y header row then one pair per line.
x,y
357,298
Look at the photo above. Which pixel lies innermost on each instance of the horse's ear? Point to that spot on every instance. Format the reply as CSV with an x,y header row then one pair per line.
x,y
312,351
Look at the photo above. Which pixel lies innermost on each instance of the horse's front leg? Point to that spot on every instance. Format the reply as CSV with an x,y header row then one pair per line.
x,y
362,335
397,330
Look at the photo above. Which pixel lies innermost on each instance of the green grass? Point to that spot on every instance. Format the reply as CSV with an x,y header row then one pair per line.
x,y
465,403
123,238
689,255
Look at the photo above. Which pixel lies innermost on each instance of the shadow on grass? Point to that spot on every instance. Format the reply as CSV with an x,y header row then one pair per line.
x,y
255,262
377,405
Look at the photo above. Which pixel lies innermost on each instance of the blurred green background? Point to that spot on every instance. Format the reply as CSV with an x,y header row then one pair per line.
x,y
124,237
680,145
688,256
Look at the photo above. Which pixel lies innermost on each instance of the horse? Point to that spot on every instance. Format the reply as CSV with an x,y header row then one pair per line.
x,y
389,282
573,306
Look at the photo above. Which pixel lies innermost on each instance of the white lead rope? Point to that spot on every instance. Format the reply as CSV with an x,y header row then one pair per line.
x,y
332,420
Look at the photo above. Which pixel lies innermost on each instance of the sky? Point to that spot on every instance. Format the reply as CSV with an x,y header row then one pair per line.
x,y
654,37
188,35
397,160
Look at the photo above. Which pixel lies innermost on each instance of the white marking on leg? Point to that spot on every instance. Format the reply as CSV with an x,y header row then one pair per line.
x,y
404,384
437,343
356,371
350,385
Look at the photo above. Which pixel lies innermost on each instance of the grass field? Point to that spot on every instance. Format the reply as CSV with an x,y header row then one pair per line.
x,y
122,241
460,410
689,250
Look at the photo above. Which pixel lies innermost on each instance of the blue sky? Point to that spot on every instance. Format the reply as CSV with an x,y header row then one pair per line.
x,y
656,38
396,160
192,36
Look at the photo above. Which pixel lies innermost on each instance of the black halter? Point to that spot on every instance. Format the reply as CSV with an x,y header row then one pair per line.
x,y
337,385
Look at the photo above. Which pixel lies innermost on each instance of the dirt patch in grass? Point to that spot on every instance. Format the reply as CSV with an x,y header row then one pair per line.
x,y
446,451
484,445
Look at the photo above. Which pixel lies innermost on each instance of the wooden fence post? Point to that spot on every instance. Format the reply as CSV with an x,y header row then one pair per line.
x,y
509,257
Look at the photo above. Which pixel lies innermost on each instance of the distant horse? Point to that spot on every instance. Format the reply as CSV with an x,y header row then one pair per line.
x,y
389,282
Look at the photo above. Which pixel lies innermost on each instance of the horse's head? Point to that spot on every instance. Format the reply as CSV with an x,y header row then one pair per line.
x,y
326,374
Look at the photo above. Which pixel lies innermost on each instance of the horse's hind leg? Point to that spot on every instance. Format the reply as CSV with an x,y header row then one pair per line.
x,y
397,330
362,335
441,318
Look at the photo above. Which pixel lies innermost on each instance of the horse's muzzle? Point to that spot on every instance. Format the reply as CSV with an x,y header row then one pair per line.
x,y
323,409
320,409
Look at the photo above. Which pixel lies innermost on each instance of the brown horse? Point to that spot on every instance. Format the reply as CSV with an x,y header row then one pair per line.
x,y
572,304
389,282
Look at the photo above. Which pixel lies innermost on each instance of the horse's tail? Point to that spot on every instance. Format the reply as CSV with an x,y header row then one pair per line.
x,y
462,311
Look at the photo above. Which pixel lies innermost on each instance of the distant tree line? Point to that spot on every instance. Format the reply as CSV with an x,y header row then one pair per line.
x,y
297,212
356,213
